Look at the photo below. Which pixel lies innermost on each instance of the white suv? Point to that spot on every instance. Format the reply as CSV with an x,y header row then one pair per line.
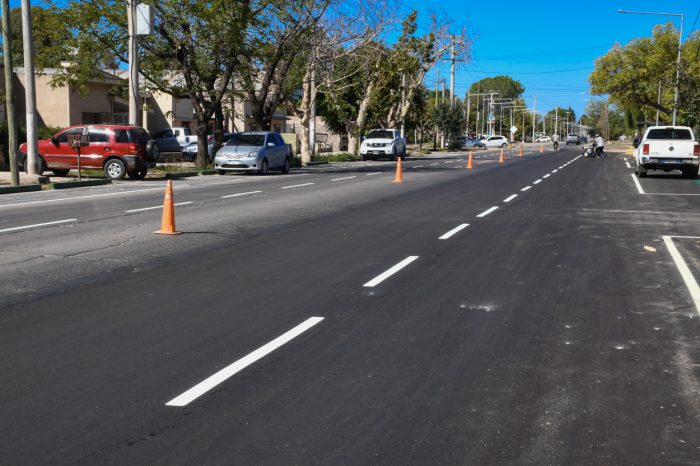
x,y
572,138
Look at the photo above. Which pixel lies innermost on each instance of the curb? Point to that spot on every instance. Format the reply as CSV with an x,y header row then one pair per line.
x,y
79,184
25,188
171,176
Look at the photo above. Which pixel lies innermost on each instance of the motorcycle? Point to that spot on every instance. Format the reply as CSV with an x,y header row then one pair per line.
x,y
589,151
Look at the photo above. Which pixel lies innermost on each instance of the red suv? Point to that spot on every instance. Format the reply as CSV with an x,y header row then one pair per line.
x,y
119,150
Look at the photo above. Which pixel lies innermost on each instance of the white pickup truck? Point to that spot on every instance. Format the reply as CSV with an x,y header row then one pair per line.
x,y
383,143
667,148
184,136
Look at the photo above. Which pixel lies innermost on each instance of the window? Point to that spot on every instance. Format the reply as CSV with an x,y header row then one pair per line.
x,y
63,137
669,133
90,118
121,136
99,135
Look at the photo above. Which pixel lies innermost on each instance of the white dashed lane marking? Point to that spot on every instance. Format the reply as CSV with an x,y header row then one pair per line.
x,y
383,276
454,231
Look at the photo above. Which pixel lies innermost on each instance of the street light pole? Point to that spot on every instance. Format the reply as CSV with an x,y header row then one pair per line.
x,y
678,60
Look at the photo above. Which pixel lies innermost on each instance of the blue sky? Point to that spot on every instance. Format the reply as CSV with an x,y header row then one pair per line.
x,y
544,38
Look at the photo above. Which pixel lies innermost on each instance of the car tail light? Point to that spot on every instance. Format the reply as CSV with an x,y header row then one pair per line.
x,y
645,149
696,149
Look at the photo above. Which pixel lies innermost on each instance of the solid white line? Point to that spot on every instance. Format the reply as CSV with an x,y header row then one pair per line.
x,y
381,277
636,182
227,372
297,186
687,276
510,198
346,178
156,207
537,181
547,176
671,194
454,231
526,188
685,237
36,225
79,197
372,174
628,164
486,212
240,194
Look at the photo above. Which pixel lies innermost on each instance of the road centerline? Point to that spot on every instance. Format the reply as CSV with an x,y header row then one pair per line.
x,y
143,209
345,178
510,198
384,275
240,194
37,225
487,211
454,231
526,188
537,181
297,185
227,372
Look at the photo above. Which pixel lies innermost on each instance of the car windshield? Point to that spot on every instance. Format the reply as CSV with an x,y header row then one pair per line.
x,y
670,133
246,140
138,135
380,134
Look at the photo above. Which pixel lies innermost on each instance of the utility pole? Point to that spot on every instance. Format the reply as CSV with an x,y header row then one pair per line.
x,y
452,74
556,120
29,88
403,96
658,103
312,116
134,99
534,117
435,128
443,89
468,108
9,93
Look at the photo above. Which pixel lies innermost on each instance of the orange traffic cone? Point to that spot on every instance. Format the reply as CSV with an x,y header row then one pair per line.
x,y
399,174
469,163
541,148
500,160
521,150
167,225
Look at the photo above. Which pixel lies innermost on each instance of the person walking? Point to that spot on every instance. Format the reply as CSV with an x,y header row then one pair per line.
x,y
599,144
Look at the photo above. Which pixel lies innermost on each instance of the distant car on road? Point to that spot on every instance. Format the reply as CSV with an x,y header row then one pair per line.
x,y
255,151
543,139
119,150
495,141
383,143
572,138
189,152
472,143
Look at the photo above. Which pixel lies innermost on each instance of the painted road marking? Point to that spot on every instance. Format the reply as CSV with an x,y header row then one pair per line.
x,y
37,225
383,276
241,194
341,179
486,212
418,166
537,181
434,164
554,171
375,173
628,164
687,276
156,207
526,188
80,197
546,176
229,371
297,185
454,231
639,186
510,198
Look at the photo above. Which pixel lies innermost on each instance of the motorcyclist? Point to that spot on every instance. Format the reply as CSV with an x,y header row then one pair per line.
x,y
599,144
555,141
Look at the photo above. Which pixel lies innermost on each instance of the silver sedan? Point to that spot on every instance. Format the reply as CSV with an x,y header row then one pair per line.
x,y
254,152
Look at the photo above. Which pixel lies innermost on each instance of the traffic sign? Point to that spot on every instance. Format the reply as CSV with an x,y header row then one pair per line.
x,y
513,129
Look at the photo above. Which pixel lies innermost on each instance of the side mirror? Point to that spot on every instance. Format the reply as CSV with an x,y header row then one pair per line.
x,y
270,144
54,140
636,143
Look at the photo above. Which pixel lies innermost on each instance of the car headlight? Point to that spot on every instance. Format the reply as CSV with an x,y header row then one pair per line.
x,y
253,154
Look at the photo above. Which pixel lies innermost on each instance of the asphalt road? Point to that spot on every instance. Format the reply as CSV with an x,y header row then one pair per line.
x,y
530,312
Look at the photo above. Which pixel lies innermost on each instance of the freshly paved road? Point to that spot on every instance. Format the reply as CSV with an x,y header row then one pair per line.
x,y
542,333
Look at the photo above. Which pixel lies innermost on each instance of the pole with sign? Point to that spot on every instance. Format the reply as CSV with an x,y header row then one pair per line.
x,y
77,141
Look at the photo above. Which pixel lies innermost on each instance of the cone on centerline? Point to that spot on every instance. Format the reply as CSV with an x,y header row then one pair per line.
x,y
167,225
500,160
521,150
541,148
398,178
469,163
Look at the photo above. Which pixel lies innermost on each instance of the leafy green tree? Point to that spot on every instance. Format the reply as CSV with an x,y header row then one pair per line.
x,y
50,32
450,121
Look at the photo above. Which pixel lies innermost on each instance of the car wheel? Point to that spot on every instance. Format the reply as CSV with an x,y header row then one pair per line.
x,y
60,171
115,169
363,157
394,155
263,168
641,173
285,167
691,173
153,150
221,172
504,145
138,175
40,170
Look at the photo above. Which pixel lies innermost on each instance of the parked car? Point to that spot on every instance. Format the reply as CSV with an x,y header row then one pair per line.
x,y
189,152
495,141
383,143
544,138
472,143
255,151
667,148
184,135
572,138
167,141
119,150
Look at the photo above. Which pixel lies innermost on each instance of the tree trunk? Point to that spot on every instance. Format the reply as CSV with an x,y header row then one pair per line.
x,y
218,129
353,143
202,155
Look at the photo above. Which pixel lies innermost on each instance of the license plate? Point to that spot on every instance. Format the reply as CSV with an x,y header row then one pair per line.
x,y
671,161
